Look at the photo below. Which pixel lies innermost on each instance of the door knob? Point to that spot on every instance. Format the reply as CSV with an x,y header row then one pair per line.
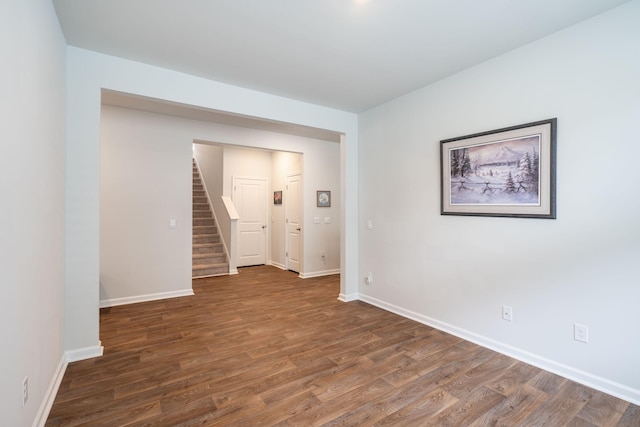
x,y
264,226
297,229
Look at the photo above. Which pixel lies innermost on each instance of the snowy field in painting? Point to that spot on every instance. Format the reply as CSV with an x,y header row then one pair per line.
x,y
497,173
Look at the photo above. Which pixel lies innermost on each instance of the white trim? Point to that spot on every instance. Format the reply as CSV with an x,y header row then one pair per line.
x,y
319,273
347,298
277,265
50,395
144,298
602,384
233,271
84,353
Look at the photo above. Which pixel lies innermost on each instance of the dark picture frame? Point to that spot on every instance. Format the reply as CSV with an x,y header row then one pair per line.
x,y
508,172
277,197
323,199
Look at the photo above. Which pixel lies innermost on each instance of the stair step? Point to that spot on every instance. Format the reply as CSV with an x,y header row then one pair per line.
x,y
199,200
201,206
197,222
220,270
208,248
208,259
206,238
199,193
209,265
202,214
204,229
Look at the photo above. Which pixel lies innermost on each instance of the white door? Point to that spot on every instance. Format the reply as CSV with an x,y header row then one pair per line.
x,y
250,199
293,222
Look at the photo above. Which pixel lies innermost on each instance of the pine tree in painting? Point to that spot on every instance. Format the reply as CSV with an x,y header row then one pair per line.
x,y
510,187
535,172
455,162
465,164
524,169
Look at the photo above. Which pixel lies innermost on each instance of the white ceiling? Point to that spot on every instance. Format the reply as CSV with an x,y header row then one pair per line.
x,y
346,54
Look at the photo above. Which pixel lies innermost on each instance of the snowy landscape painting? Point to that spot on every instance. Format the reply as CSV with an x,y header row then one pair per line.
x,y
503,172
507,172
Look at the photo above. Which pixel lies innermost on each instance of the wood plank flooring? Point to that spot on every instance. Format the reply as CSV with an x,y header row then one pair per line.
x,y
266,348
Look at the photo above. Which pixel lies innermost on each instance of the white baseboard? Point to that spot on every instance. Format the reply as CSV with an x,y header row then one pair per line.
x,y
347,298
84,353
602,384
278,265
50,395
233,271
319,273
144,298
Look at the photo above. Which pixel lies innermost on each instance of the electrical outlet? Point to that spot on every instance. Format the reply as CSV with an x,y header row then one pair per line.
x,y
323,255
507,313
580,332
25,391
368,279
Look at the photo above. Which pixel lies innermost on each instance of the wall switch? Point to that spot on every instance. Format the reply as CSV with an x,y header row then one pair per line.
x,y
25,391
173,223
316,220
327,220
323,255
507,313
369,224
368,279
580,332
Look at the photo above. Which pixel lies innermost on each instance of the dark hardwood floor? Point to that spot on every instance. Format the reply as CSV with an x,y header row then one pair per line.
x,y
266,348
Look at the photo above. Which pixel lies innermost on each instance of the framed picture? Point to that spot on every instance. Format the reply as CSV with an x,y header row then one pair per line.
x,y
277,197
323,199
508,172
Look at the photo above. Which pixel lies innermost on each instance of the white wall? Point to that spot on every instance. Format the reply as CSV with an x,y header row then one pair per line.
x,y
320,173
243,162
210,160
88,73
457,272
32,131
145,180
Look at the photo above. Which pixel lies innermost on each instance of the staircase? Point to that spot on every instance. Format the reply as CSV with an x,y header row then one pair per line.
x,y
209,258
